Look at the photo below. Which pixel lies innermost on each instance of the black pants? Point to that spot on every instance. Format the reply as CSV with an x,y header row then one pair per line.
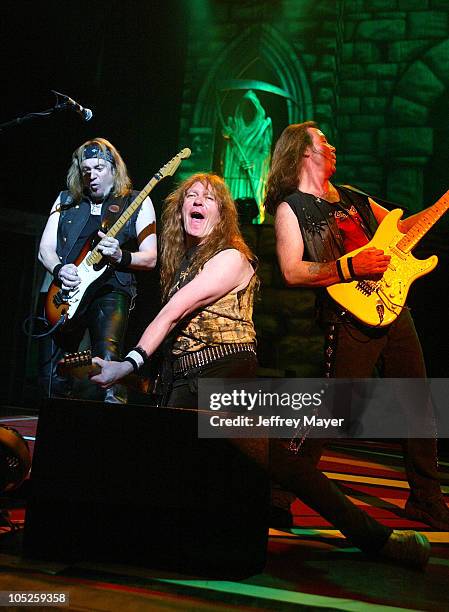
x,y
184,389
354,351
296,472
106,320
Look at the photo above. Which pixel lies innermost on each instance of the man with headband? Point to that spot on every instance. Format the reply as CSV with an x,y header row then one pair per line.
x,y
99,190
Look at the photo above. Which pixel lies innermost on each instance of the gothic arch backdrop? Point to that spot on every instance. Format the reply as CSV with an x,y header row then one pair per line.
x,y
260,49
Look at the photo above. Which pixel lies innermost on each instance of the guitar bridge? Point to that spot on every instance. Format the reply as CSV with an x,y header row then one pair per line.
x,y
366,287
60,298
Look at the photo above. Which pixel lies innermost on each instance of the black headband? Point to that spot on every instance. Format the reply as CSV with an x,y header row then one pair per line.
x,y
95,151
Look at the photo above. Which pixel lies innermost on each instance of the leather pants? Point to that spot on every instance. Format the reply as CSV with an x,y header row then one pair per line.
x,y
106,320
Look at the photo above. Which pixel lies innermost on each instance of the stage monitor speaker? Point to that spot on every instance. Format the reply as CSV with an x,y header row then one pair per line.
x,y
134,484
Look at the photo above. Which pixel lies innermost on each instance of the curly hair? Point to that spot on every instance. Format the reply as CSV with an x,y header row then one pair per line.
x,y
75,185
286,163
225,233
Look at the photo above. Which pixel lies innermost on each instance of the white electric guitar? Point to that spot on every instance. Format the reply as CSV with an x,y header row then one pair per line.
x,y
64,305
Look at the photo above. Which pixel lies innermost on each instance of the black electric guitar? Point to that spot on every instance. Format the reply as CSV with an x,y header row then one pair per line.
x,y
64,305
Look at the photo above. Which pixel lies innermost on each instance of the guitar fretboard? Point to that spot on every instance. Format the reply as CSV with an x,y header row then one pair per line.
x,y
421,227
167,170
96,255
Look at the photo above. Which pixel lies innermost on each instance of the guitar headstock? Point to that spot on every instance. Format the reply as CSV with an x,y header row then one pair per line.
x,y
76,360
78,365
170,167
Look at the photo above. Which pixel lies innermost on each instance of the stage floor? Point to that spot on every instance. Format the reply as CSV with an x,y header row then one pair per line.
x,y
309,566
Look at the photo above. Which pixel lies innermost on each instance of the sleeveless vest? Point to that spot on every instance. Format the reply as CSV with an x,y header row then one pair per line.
x,y
322,238
226,321
73,218
323,241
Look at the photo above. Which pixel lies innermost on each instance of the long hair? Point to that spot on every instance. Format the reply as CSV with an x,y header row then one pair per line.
x,y
122,182
286,163
226,233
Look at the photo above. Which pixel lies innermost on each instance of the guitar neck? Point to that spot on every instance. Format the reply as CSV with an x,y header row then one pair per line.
x,y
136,203
95,255
421,227
168,170
80,366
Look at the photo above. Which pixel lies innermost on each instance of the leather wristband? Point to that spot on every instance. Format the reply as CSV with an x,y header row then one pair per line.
x,y
125,261
141,352
136,357
55,272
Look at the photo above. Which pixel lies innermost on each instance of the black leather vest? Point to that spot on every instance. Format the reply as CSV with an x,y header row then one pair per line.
x,y
322,238
73,218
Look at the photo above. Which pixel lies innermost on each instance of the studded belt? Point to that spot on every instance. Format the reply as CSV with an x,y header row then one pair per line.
x,y
198,359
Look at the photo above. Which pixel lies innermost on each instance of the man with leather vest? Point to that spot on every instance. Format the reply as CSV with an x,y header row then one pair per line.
x,y
316,223
99,190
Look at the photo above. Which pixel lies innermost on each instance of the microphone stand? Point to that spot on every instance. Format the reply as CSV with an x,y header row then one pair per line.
x,y
27,117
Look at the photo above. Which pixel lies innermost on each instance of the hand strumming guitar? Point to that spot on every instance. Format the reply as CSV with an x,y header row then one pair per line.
x,y
370,263
68,275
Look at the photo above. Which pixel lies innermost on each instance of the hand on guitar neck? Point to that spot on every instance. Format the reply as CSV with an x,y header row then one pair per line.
x,y
109,372
104,373
110,248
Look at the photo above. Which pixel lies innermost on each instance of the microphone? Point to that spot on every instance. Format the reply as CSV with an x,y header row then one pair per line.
x,y
85,113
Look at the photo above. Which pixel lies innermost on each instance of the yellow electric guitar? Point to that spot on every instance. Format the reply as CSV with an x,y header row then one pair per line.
x,y
378,303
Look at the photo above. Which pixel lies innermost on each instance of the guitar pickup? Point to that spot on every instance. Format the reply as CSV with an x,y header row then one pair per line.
x,y
365,287
60,298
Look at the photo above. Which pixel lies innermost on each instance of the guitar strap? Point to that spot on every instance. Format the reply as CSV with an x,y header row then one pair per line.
x,y
113,212
66,202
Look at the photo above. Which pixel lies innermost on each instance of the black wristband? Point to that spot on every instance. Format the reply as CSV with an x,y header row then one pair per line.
x,y
136,357
340,271
141,352
351,267
125,261
55,272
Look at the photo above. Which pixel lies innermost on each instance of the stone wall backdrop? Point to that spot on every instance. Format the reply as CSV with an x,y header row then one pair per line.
x,y
393,123
374,74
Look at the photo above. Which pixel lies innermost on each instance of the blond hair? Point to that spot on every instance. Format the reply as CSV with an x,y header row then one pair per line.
x,y
122,182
